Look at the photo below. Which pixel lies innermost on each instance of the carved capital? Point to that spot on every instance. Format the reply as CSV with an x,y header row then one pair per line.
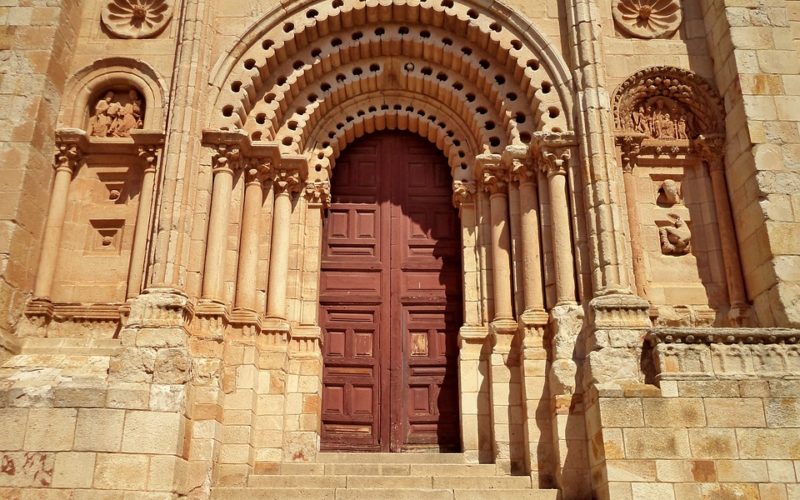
x,y
630,146
552,151
149,153
711,149
286,180
493,174
257,170
318,192
463,193
227,158
68,156
519,164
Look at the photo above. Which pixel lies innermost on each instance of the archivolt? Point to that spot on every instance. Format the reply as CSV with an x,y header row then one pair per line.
x,y
289,73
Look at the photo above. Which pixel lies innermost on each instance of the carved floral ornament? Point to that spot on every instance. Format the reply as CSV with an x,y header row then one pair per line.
x,y
136,18
647,18
667,104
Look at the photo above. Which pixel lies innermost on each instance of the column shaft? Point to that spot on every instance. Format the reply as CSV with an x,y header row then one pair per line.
x,y
248,248
501,256
139,250
531,257
727,234
562,243
637,246
52,233
279,262
213,272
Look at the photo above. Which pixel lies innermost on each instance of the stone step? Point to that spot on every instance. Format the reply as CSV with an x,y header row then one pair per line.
x,y
227,493
387,482
377,469
391,458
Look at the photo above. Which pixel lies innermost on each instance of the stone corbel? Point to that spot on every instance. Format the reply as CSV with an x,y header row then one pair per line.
x,y
630,146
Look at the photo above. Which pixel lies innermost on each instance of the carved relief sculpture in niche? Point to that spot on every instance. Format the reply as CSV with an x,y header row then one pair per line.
x,y
116,114
675,239
136,18
669,193
667,104
648,18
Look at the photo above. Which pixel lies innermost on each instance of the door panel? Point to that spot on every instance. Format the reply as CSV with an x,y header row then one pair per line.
x,y
390,299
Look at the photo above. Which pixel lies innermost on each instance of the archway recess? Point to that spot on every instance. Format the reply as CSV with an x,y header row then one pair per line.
x,y
472,80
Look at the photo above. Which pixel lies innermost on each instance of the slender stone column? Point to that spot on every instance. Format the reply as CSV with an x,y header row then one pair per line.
x,y
712,152
524,173
149,155
464,199
630,149
225,161
287,182
255,174
553,154
503,383
66,162
494,179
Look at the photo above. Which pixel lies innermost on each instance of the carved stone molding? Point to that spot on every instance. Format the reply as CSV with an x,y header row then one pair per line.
x,y
667,104
463,192
647,18
257,169
706,353
136,18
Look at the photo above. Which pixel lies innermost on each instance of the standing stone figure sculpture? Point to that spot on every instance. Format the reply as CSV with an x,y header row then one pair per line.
x,y
675,239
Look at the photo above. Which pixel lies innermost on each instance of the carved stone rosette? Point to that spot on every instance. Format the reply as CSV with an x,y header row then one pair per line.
x,y
136,18
647,18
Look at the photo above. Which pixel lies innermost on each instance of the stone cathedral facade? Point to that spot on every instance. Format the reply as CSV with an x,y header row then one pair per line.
x,y
400,249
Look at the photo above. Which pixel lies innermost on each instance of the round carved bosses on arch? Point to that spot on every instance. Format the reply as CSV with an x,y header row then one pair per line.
x,y
299,71
117,80
668,103
648,18
136,18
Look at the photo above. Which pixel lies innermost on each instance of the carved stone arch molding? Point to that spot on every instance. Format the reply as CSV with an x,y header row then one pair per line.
x,y
89,83
675,89
471,79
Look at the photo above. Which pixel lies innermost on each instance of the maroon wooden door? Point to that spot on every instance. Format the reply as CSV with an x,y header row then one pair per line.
x,y
390,299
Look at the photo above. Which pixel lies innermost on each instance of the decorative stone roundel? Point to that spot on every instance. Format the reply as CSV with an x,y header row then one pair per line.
x,y
136,18
648,18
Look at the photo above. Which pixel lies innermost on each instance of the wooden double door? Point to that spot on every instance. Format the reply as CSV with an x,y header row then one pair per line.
x,y
390,299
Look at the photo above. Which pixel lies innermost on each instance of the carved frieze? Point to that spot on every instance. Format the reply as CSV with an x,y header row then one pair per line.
x,y
116,114
647,18
693,353
136,18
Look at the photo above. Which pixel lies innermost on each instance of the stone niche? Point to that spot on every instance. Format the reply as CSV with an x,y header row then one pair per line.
x,y
670,142
95,241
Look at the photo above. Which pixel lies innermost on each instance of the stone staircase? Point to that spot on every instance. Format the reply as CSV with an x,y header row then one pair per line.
x,y
391,476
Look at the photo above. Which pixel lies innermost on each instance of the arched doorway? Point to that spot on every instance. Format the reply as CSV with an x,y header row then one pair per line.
x,y
391,299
